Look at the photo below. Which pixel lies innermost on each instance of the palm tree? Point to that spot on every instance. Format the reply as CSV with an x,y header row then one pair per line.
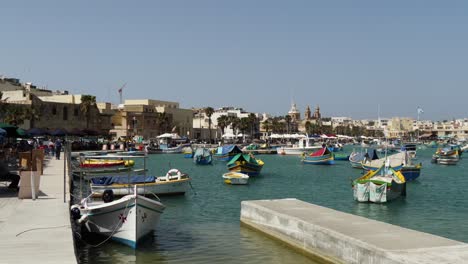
x,y
223,122
234,120
87,102
267,126
244,124
253,124
209,112
164,122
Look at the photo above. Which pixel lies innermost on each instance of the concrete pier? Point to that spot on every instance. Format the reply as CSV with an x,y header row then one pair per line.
x,y
37,231
336,237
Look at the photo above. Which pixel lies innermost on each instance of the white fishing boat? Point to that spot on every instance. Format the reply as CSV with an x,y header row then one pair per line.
x,y
303,145
235,178
125,220
174,182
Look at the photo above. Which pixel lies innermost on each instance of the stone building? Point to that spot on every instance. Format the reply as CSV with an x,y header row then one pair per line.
x,y
149,118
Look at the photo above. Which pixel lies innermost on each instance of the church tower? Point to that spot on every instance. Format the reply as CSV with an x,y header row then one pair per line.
x,y
308,113
317,114
294,114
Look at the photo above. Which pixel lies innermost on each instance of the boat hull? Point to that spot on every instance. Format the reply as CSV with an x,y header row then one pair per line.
x,y
126,220
171,187
295,150
235,178
411,172
249,169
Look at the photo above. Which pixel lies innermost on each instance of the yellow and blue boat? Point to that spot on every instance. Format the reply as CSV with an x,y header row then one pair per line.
x,y
245,163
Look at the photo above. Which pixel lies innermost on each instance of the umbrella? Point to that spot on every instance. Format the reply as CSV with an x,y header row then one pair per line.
x,y
76,132
21,132
36,132
58,132
2,132
10,129
90,132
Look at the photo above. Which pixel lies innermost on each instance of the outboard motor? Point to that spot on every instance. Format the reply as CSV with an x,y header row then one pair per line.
x,y
108,196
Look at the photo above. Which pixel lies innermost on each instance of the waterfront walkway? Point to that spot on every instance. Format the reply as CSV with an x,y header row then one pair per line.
x,y
37,231
337,237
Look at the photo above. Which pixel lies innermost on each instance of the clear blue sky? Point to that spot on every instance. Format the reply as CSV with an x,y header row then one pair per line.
x,y
346,56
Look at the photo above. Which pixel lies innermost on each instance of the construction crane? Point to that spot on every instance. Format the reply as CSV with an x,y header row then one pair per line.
x,y
120,92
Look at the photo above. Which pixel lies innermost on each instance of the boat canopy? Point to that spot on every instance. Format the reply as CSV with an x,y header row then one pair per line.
x,y
243,157
228,149
371,154
320,152
204,152
108,180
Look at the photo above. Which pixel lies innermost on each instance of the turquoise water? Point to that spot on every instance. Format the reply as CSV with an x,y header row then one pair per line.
x,y
203,225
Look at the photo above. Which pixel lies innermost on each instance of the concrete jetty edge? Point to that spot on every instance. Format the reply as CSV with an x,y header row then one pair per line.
x,y
331,236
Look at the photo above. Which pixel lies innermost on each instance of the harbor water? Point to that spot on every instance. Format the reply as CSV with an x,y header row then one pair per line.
x,y
203,225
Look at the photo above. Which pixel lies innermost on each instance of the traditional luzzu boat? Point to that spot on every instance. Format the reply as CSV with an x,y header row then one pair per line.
x,y
202,156
226,152
396,161
400,162
379,186
245,163
125,220
321,157
355,159
100,163
447,156
174,182
235,178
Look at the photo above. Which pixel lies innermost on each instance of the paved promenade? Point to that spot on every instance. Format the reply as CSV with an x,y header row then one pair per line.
x,y
37,231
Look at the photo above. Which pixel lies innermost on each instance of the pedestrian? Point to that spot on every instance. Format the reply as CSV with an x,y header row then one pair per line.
x,y
58,148
51,148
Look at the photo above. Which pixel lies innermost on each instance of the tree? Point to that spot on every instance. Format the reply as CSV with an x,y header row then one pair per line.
x,y
288,123
87,102
234,121
253,124
267,125
244,124
209,112
223,122
163,121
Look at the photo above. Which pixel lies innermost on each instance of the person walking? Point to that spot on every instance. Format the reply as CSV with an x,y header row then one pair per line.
x,y
58,148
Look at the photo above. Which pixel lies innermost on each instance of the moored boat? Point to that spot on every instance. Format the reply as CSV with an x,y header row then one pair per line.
x,y
174,182
355,159
101,163
235,178
226,152
245,163
125,220
379,186
304,145
321,157
202,156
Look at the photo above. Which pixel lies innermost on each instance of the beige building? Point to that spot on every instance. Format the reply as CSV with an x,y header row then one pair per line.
x,y
149,118
399,127
53,110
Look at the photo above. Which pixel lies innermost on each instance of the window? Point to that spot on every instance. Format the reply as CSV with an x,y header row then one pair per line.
x,y
75,111
54,110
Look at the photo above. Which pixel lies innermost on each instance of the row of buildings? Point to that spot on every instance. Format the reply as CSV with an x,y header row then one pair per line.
x,y
149,118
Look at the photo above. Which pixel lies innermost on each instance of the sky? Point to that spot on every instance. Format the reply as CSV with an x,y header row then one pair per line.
x,y
351,58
